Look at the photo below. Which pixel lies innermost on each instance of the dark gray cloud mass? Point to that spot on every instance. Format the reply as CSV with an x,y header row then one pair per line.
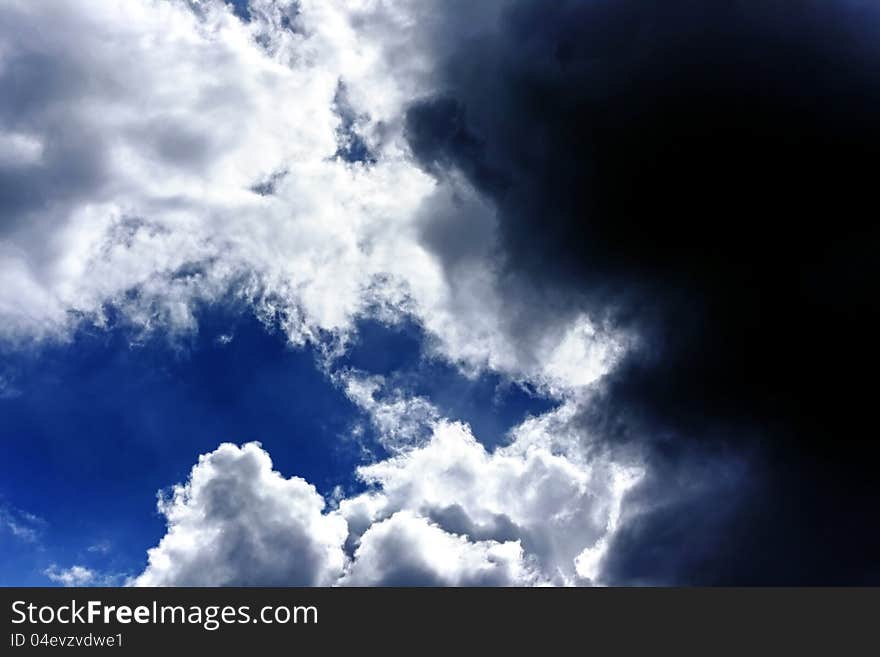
x,y
703,174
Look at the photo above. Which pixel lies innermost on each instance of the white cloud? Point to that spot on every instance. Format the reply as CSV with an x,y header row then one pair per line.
x,y
101,547
401,422
444,513
408,550
24,526
140,129
588,564
73,576
236,521
553,505
81,576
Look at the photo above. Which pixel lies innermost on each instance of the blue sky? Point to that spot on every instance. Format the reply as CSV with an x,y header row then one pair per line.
x,y
98,425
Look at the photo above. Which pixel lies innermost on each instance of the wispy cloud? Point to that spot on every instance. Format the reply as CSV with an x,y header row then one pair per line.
x,y
24,526
101,547
81,576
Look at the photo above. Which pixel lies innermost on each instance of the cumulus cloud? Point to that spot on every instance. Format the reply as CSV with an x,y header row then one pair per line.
x,y
409,550
554,504
236,521
446,512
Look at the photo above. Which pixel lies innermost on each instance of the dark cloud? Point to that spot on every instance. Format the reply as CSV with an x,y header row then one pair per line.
x,y
703,174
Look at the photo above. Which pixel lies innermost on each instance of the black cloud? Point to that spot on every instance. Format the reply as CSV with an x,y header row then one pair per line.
x,y
704,174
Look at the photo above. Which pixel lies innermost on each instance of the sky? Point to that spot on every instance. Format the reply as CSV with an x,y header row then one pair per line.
x,y
509,293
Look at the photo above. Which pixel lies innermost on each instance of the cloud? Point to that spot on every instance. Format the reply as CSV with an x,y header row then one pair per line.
x,y
24,526
73,576
401,421
81,576
555,505
180,155
238,522
409,550
101,547
445,512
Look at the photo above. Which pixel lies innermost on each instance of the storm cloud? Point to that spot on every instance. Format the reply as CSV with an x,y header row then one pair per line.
x,y
700,175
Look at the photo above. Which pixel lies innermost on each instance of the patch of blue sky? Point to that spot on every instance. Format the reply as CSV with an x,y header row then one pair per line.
x,y
240,8
97,425
489,403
